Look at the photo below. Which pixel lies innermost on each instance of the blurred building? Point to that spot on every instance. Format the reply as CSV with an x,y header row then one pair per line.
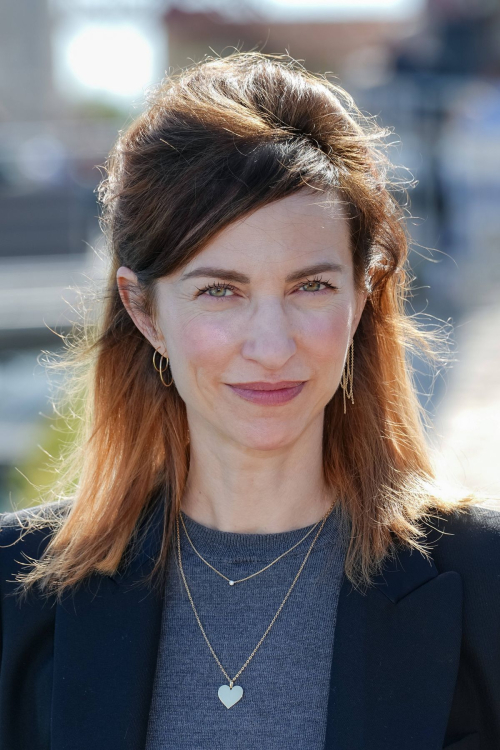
x,y
323,45
48,220
26,80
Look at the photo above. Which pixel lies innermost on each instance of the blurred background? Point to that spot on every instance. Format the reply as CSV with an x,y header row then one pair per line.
x,y
74,72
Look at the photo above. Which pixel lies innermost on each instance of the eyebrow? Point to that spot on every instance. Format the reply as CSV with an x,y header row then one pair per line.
x,y
241,278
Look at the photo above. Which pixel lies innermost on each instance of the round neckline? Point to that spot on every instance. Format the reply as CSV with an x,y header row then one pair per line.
x,y
230,545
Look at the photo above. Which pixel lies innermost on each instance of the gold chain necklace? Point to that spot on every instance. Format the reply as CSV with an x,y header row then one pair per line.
x,y
229,695
240,580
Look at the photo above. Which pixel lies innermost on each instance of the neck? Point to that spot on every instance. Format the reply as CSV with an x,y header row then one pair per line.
x,y
239,518
254,513
262,489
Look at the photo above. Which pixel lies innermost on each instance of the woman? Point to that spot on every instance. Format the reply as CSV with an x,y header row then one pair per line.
x,y
249,547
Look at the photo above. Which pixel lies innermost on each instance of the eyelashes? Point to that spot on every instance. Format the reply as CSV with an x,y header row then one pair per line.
x,y
224,285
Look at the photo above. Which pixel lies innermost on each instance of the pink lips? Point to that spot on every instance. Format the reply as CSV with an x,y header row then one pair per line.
x,y
265,386
268,393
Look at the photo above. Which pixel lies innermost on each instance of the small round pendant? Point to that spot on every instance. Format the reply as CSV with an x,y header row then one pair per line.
x,y
231,583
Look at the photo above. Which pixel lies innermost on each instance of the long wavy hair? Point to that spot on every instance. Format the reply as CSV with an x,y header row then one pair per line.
x,y
216,141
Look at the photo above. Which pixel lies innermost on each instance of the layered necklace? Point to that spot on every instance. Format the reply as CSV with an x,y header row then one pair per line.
x,y
230,694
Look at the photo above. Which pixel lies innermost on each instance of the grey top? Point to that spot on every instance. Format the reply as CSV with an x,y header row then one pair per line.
x,y
286,684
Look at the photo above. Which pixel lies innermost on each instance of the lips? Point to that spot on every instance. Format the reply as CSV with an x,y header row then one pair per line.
x,y
270,394
264,386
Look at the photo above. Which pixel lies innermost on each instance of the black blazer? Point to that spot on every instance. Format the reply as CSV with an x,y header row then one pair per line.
x,y
416,659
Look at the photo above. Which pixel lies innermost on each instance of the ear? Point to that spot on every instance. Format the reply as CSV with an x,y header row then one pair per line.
x,y
130,293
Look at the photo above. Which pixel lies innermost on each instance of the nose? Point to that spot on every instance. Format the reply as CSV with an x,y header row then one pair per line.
x,y
269,337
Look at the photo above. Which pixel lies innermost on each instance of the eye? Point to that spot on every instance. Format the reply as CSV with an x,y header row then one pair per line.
x,y
220,286
314,283
217,288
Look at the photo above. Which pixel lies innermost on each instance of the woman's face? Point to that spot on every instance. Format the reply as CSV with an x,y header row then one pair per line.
x,y
270,299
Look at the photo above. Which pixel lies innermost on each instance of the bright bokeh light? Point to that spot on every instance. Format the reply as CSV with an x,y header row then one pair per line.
x,y
111,58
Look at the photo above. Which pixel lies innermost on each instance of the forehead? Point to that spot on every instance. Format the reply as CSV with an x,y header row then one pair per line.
x,y
301,226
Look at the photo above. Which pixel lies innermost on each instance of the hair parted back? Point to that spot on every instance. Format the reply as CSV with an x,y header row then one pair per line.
x,y
216,141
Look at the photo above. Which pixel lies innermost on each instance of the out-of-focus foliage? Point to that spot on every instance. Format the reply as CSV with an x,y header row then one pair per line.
x,y
30,482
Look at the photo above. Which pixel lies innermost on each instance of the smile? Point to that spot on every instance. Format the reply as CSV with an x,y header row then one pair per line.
x,y
265,396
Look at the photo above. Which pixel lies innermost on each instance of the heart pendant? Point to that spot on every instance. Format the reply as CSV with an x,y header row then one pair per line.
x,y
230,696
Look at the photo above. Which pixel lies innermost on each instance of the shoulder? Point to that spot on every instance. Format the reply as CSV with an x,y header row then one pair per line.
x,y
38,516
468,541
24,532
475,529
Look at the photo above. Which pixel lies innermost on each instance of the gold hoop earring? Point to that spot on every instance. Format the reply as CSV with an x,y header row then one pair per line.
x,y
346,381
161,369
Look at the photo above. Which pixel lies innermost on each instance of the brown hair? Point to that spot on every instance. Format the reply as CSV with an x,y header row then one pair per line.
x,y
216,141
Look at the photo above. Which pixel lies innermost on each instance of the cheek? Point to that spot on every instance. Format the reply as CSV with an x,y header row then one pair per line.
x,y
325,338
205,343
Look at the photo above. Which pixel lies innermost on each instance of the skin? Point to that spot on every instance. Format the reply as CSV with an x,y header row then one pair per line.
x,y
257,468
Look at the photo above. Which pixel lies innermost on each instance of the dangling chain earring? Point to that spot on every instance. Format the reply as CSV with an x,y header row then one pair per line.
x,y
346,380
162,370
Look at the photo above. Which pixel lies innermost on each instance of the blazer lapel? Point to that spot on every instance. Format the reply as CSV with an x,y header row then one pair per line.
x,y
395,658
105,649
